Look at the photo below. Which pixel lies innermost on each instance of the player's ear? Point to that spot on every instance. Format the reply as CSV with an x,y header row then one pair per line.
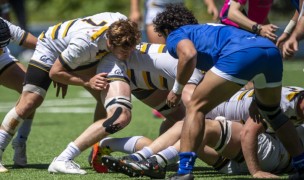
x,y
109,45
166,33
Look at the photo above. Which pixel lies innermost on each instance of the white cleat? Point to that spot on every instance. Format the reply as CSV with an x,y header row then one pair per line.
x,y
20,159
65,167
2,168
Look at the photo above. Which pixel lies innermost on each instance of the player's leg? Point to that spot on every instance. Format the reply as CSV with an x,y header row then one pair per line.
x,y
17,70
118,105
31,97
202,101
156,99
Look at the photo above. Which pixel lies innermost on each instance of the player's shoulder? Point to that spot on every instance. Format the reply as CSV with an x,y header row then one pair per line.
x,y
108,16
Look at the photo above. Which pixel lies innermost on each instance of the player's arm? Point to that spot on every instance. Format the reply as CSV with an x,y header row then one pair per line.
x,y
30,41
288,30
135,14
187,54
186,61
212,9
235,14
62,75
298,33
249,142
291,46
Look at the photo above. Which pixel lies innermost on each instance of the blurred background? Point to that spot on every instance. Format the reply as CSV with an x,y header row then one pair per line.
x,y
36,15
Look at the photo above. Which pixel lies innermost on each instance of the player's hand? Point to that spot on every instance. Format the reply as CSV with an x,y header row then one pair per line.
x,y
62,87
281,40
268,31
99,81
173,99
290,47
213,11
262,175
135,16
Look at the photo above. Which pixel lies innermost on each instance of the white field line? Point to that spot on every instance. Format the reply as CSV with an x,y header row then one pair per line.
x,y
80,105
76,105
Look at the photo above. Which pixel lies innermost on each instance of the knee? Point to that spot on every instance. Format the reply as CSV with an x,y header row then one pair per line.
x,y
26,106
118,118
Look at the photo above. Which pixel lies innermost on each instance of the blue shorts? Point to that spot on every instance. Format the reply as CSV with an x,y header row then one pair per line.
x,y
264,66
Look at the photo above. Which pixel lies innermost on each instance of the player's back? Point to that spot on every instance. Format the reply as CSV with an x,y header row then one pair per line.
x,y
89,25
152,67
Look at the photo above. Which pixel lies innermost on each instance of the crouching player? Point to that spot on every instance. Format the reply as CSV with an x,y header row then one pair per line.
x,y
12,74
223,136
151,73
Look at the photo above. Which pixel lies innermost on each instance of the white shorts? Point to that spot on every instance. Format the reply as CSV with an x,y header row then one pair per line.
x,y
6,58
44,56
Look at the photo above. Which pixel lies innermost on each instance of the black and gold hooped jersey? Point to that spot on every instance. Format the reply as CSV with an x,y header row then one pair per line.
x,y
77,42
237,107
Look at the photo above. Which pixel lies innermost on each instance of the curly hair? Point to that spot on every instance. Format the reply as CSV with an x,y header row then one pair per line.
x,y
123,33
174,16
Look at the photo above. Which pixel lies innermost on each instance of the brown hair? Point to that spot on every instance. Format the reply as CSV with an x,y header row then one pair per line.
x,y
123,33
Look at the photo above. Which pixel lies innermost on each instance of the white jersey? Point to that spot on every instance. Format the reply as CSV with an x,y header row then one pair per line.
x,y
272,155
18,36
149,67
237,107
78,42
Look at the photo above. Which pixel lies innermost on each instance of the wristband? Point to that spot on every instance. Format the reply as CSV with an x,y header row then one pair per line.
x,y
177,87
290,27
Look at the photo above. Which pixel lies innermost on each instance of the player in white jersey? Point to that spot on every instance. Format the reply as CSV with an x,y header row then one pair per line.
x,y
11,67
224,136
151,73
68,53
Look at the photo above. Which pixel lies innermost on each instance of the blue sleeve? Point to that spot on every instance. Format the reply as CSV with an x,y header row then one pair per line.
x,y
172,41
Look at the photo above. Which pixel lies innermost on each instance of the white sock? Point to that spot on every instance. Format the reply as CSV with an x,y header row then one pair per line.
x,y
69,153
24,131
167,156
144,153
125,145
5,139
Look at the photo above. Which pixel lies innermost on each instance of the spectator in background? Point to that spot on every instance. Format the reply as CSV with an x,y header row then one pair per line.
x,y
255,19
19,9
152,7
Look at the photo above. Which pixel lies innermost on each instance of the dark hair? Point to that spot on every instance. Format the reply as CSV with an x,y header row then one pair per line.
x,y
174,16
123,33
5,34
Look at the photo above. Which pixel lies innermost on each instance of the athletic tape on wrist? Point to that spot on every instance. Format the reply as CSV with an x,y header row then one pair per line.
x,y
177,87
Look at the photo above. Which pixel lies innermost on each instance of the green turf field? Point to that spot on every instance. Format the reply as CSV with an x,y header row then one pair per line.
x,y
58,122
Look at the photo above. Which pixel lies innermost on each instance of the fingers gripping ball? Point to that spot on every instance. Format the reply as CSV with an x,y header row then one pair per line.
x,y
5,34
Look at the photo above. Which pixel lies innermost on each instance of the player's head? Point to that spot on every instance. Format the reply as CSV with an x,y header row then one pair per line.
x,y
5,34
123,36
174,16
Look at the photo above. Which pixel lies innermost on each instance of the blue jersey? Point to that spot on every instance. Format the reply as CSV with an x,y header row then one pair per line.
x,y
214,41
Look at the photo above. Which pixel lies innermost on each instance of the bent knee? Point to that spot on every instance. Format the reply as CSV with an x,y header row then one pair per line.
x,y
118,118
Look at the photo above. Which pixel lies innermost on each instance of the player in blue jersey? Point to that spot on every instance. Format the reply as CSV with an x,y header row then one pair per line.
x,y
231,57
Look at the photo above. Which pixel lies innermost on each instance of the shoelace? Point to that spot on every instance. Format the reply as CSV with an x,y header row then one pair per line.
x,y
72,165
